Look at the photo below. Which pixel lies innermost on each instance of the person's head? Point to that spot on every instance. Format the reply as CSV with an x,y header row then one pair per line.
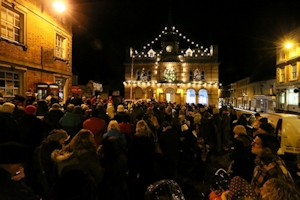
x,y
276,189
239,130
83,140
264,144
7,108
142,128
58,135
126,118
120,108
13,155
150,111
95,113
70,108
113,125
30,110
216,111
78,110
239,113
265,128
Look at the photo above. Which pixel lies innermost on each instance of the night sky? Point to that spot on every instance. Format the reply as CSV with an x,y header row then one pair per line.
x,y
245,32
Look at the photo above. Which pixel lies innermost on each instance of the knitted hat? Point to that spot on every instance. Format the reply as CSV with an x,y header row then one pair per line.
x,y
30,110
267,127
269,141
13,153
58,134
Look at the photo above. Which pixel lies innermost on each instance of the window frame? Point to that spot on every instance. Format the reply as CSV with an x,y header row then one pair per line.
x,y
13,89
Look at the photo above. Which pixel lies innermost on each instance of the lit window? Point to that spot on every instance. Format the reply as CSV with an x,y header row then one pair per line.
x,y
282,75
59,46
294,71
9,83
12,23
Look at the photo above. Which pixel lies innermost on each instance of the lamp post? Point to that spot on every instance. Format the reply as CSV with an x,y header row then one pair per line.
x,y
131,76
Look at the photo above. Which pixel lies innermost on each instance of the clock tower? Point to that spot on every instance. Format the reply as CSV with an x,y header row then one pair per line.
x,y
169,41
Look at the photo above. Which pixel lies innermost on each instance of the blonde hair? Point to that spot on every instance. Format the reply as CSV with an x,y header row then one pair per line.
x,y
113,125
7,108
239,130
142,128
82,141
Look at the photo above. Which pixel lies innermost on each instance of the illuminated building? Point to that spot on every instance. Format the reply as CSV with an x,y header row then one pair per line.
x,y
35,49
173,68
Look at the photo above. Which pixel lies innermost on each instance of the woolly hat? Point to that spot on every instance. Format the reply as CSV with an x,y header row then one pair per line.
x,y
267,127
30,110
120,108
269,141
13,153
58,134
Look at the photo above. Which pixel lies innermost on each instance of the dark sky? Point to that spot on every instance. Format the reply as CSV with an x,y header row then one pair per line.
x,y
245,32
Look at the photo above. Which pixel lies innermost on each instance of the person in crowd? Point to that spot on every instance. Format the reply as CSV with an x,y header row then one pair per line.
x,y
226,129
265,128
114,185
70,122
113,129
12,157
217,123
241,119
110,110
268,163
102,113
55,114
80,153
136,113
9,126
120,113
242,158
256,123
160,114
152,118
18,112
78,110
169,114
127,129
97,126
170,143
141,160
44,165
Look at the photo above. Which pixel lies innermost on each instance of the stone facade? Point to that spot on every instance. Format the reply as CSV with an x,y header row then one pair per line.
x,y
38,50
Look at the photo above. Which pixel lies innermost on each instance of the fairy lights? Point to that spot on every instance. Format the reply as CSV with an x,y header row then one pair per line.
x,y
197,52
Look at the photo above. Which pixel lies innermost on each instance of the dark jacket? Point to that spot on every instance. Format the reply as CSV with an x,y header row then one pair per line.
x,y
9,128
54,116
71,123
12,190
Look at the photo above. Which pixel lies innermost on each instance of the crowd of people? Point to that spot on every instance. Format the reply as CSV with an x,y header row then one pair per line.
x,y
94,149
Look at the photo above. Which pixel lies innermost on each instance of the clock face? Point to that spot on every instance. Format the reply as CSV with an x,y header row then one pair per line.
x,y
169,48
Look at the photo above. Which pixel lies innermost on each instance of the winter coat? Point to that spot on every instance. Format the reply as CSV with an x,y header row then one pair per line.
x,y
11,190
54,116
116,133
9,128
97,126
71,123
83,160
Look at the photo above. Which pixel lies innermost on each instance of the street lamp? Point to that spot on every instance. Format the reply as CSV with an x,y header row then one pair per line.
x,y
288,45
59,6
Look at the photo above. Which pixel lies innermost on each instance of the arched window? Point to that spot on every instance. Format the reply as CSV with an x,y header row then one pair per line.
x,y
197,75
149,75
190,96
203,97
138,75
191,78
202,75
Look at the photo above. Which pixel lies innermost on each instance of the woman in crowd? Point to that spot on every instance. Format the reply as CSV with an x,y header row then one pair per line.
x,y
141,160
113,129
44,165
80,153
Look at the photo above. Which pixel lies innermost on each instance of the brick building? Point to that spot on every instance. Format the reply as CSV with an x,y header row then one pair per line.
x,y
173,68
35,49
